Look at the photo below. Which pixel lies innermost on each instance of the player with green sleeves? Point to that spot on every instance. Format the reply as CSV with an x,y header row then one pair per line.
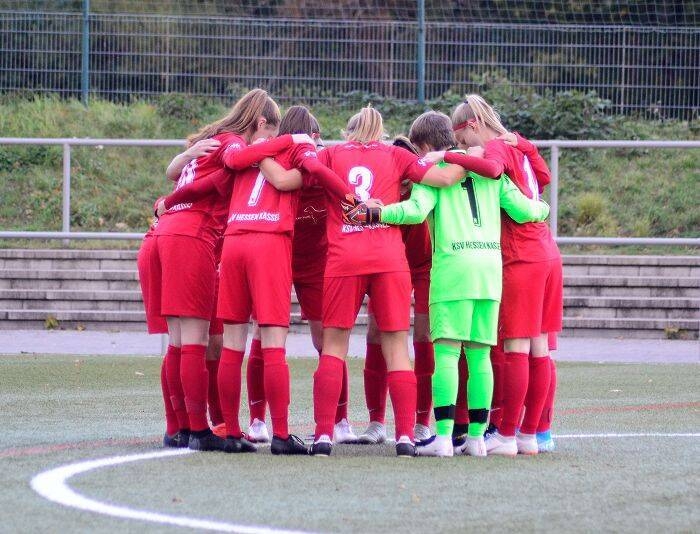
x,y
465,279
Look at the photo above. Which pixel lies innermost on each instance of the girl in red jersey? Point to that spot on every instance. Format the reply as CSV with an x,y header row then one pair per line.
x,y
369,260
260,225
309,248
532,303
173,398
416,239
185,258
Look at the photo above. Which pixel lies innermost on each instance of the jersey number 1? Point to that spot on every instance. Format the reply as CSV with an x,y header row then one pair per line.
x,y
257,190
468,186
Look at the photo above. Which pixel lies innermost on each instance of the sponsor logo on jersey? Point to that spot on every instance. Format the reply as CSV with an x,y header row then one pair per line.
x,y
310,154
422,162
180,207
476,245
260,216
351,228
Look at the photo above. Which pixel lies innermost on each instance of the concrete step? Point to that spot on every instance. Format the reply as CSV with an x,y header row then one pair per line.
x,y
631,327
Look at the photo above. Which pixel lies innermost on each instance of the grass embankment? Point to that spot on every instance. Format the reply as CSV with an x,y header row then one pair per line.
x,y
641,192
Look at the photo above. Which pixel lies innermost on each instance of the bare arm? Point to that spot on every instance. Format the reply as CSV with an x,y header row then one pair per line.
x,y
279,177
199,149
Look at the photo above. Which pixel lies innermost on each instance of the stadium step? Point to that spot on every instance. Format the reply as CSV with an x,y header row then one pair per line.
x,y
641,296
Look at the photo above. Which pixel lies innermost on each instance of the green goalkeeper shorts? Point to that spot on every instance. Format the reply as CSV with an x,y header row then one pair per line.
x,y
465,320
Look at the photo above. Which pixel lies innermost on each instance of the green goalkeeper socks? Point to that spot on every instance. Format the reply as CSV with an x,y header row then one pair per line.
x,y
479,388
445,380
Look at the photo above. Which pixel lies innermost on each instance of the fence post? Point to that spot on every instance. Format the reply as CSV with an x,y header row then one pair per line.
x,y
554,191
420,89
85,64
65,223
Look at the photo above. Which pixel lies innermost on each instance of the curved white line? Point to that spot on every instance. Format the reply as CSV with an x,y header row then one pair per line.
x,y
53,486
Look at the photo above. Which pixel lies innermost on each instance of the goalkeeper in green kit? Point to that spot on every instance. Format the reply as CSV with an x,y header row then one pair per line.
x,y
465,279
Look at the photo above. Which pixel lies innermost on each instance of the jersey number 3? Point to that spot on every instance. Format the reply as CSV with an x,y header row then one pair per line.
x,y
361,178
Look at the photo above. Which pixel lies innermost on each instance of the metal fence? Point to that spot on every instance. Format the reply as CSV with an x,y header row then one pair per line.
x,y
647,69
555,145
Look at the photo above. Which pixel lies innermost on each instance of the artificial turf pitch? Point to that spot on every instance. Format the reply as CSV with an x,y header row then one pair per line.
x,y
56,410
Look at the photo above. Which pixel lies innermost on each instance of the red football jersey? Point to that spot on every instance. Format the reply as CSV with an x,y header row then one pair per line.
x,y
256,206
419,249
530,242
310,242
374,170
205,218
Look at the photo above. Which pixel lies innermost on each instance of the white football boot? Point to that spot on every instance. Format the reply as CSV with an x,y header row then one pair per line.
x,y
343,433
421,432
527,443
500,445
435,446
472,446
257,432
375,433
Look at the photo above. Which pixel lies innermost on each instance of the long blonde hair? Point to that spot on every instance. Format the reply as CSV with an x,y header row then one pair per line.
x,y
365,126
475,108
243,116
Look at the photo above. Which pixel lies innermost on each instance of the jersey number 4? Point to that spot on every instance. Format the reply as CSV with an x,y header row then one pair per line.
x,y
468,186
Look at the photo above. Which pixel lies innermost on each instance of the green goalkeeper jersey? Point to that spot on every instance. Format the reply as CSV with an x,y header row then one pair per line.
x,y
465,227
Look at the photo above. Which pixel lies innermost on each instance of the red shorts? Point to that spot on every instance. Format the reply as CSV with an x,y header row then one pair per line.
x,y
310,296
532,300
421,292
150,288
256,277
390,294
186,276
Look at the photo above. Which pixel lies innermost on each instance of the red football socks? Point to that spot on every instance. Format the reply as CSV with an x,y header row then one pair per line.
x,y
277,389
375,382
213,395
402,389
171,423
424,368
342,410
548,409
256,381
230,389
497,364
515,380
461,408
328,381
195,384
537,390
177,395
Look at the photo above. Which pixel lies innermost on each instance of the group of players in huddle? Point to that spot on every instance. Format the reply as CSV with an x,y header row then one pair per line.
x,y
450,214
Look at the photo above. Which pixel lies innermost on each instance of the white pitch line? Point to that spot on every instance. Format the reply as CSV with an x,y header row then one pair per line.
x,y
53,486
645,435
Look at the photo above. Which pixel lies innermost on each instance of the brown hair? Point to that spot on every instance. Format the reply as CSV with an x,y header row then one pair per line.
x,y
297,120
365,126
433,129
243,116
315,126
404,142
475,108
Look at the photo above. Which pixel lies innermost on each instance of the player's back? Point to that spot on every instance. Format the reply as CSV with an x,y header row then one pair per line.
x,y
372,170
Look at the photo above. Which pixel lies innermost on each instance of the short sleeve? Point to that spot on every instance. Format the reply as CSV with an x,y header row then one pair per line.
x,y
409,165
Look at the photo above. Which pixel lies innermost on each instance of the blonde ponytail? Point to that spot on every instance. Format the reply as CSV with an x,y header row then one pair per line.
x,y
474,108
365,126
